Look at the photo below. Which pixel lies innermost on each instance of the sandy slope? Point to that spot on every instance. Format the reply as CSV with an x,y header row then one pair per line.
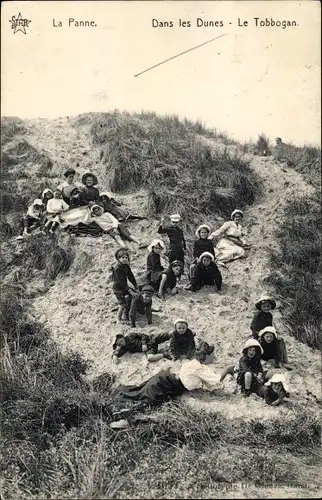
x,y
77,309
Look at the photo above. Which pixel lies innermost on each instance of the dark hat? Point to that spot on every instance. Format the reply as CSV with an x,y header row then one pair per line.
x,y
120,252
69,171
118,336
177,263
148,289
89,174
265,298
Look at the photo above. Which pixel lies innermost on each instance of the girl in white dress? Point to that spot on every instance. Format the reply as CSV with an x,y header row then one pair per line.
x,y
231,245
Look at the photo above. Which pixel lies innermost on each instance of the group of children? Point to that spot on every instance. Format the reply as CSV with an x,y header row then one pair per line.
x,y
80,209
194,373
264,343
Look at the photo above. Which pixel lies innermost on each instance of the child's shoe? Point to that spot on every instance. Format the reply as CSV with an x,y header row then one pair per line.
x,y
246,393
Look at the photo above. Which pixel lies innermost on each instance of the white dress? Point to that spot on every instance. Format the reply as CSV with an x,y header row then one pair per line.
x,y
226,250
195,375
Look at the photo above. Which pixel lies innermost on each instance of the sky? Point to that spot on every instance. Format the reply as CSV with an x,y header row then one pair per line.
x,y
252,80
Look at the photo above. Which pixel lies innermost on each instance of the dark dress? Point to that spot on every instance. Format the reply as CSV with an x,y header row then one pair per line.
x,y
275,350
260,320
156,390
89,193
252,365
182,345
203,275
154,269
203,245
177,242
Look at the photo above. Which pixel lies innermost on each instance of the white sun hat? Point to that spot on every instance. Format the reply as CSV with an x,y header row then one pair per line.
x,y
278,378
155,243
180,320
206,254
252,343
203,226
175,218
268,329
235,212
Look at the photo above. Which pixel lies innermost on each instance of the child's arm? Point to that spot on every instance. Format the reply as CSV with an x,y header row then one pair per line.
x,y
184,245
132,279
254,327
173,348
195,250
162,230
220,231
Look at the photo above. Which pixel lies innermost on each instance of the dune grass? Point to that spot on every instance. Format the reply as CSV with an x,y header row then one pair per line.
x,y
165,156
297,263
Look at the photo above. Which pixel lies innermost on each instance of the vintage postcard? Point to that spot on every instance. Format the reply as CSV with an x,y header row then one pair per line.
x,y
160,227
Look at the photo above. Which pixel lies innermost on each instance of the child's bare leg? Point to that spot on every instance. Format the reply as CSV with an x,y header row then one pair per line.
x,y
120,313
119,241
229,370
162,284
248,381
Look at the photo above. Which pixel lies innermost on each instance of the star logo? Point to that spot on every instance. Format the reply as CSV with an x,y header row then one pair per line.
x,y
19,24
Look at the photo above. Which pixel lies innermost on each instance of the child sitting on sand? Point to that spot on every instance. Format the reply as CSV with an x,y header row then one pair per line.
x,y
140,342
55,207
34,218
274,348
263,317
250,370
275,390
182,341
177,245
206,272
153,264
121,274
142,304
169,279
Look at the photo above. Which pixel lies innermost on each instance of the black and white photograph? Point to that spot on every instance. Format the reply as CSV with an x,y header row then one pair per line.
x,y
160,249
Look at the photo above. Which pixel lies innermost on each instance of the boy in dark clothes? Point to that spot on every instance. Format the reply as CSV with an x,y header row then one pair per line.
x,y
142,304
263,317
273,348
206,273
250,370
140,342
177,245
182,341
121,273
